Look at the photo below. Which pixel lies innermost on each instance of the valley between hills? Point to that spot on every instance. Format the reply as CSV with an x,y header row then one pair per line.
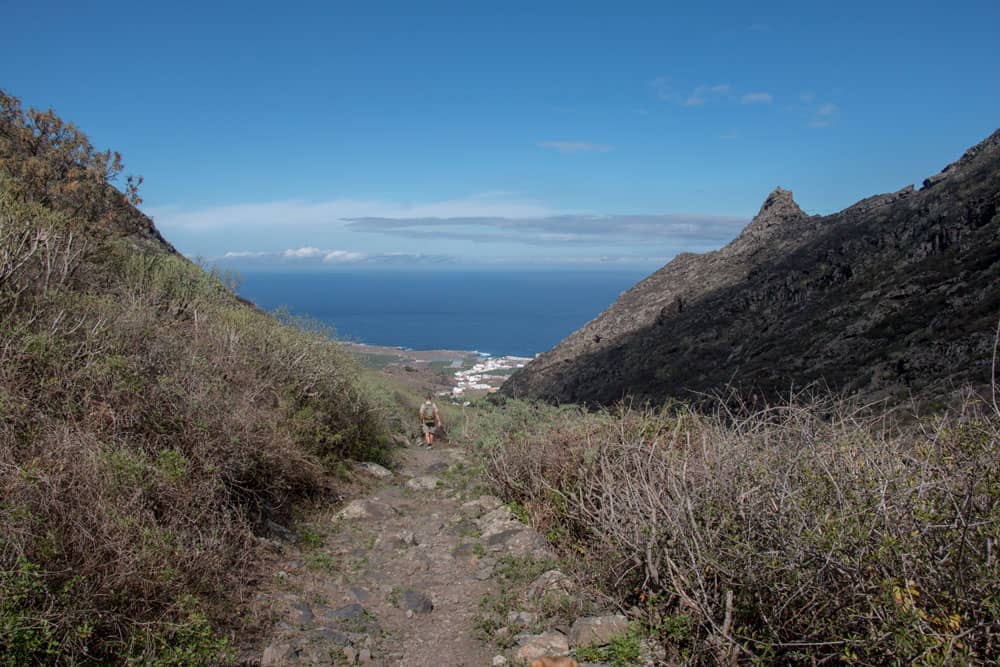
x,y
781,452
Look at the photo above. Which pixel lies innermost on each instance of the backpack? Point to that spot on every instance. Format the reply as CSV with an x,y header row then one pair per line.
x,y
427,412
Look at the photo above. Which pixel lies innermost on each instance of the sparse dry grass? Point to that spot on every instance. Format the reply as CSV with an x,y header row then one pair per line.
x,y
817,531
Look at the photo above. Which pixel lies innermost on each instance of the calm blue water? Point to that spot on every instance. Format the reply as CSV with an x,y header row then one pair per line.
x,y
501,313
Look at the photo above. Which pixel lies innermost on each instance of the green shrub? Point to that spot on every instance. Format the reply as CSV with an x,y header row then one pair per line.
x,y
623,650
150,421
26,634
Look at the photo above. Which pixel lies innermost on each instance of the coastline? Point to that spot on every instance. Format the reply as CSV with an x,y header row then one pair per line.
x,y
457,374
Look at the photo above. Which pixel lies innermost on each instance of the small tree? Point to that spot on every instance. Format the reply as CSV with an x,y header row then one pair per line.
x,y
53,163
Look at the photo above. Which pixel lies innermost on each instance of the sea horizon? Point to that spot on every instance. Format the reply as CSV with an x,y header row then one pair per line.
x,y
483,310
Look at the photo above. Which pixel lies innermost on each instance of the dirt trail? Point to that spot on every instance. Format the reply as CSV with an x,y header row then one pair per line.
x,y
395,578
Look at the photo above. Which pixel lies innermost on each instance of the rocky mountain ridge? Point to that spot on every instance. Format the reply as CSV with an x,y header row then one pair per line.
x,y
893,297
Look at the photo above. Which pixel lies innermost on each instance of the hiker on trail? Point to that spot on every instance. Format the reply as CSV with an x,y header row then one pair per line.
x,y
430,419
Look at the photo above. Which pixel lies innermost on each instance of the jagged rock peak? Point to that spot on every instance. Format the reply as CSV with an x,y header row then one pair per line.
x,y
780,204
778,208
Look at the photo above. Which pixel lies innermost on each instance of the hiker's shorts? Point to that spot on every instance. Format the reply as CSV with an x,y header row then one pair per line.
x,y
430,428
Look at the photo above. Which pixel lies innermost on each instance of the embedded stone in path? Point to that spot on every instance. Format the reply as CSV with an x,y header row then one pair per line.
x,y
597,630
480,506
397,540
370,508
423,483
347,612
375,470
332,636
466,550
464,528
415,601
301,614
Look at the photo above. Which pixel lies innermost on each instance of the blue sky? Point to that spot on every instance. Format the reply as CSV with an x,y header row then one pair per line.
x,y
542,133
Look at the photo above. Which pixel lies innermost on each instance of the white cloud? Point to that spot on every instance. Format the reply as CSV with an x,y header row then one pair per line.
x,y
808,98
332,214
315,257
588,230
344,257
576,146
757,98
824,116
240,254
303,253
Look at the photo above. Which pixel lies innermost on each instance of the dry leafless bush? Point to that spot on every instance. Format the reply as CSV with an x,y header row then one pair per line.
x,y
795,533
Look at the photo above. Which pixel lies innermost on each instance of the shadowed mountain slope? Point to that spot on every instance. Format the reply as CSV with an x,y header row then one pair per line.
x,y
894,296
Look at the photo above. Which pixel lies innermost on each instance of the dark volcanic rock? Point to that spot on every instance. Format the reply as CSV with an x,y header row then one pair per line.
x,y
895,296
417,602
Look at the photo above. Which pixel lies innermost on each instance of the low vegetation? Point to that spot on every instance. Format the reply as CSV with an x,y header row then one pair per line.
x,y
515,574
151,424
801,533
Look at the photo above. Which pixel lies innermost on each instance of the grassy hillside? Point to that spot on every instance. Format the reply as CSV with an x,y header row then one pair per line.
x,y
150,423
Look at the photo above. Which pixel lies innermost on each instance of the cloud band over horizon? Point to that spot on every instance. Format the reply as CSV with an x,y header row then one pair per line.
x,y
481,229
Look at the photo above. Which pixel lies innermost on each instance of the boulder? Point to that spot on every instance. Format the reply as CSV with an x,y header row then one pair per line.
x,y
597,630
519,541
533,647
497,515
552,581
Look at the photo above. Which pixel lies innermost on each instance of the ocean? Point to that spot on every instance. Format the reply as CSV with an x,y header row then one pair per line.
x,y
495,312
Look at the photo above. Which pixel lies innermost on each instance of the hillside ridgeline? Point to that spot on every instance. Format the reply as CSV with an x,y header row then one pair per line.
x,y
152,426
895,296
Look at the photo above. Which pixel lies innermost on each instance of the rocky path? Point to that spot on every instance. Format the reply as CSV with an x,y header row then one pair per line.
x,y
421,571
